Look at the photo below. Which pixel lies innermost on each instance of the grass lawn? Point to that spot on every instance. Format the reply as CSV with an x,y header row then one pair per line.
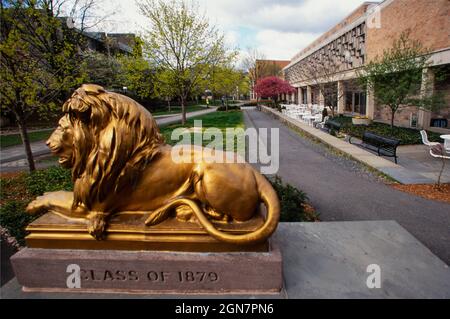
x,y
17,190
220,120
15,139
407,136
177,110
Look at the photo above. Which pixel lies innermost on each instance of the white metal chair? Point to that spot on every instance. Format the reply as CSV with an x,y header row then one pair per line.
x,y
438,152
321,125
425,140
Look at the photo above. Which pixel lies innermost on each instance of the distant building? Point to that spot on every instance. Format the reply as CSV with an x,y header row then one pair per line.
x,y
264,68
363,35
110,43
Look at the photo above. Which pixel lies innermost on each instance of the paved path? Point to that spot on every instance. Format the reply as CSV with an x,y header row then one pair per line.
x,y
17,152
340,190
177,118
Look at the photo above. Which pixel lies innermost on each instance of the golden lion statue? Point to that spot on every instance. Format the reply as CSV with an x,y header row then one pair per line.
x,y
120,163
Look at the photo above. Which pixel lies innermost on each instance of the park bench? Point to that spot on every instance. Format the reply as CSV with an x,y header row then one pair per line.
x,y
332,126
384,146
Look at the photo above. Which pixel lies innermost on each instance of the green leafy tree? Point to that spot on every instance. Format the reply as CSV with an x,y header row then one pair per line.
x,y
182,42
225,81
244,85
137,75
39,59
102,69
396,76
165,86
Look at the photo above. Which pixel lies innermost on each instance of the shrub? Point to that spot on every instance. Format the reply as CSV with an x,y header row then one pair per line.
x,y
18,191
230,108
407,136
49,180
260,102
292,200
14,218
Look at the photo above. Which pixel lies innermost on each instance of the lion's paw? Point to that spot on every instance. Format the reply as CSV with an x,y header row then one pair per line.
x,y
39,205
184,213
97,225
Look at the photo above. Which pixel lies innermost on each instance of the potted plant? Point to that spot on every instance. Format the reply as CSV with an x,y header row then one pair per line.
x,y
361,120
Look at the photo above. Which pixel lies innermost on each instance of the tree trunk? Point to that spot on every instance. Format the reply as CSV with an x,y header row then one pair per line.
x,y
438,185
392,119
26,144
183,111
168,104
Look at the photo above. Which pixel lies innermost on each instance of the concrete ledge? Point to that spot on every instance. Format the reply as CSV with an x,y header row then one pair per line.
x,y
330,260
380,164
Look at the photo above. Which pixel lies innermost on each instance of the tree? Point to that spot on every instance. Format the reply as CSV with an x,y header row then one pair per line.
x,y
255,63
39,58
137,74
243,85
396,76
183,43
101,69
272,86
224,81
165,86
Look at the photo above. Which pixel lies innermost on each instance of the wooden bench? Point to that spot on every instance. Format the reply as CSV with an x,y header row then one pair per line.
x,y
384,146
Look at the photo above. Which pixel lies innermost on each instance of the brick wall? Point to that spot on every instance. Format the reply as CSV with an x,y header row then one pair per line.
x,y
429,21
402,117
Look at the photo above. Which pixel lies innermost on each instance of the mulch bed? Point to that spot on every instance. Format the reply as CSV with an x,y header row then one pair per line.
x,y
427,191
9,174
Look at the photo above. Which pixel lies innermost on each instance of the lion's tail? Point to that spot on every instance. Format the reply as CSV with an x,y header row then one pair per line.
x,y
270,200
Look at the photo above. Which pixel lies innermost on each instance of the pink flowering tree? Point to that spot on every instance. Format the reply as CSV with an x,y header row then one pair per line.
x,y
272,87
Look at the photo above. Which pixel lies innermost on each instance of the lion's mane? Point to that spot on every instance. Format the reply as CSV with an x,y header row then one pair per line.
x,y
114,139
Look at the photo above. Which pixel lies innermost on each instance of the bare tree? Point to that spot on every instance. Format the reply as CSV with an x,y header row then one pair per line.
x,y
255,63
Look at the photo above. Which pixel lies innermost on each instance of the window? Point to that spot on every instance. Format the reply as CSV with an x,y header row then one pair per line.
x,y
349,101
355,102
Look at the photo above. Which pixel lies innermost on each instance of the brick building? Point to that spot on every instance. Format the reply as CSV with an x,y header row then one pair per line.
x,y
359,38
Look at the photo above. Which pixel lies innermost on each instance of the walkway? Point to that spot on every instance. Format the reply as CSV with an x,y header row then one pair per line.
x,y
17,153
342,190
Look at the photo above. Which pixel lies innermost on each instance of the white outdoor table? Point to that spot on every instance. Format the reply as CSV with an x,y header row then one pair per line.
x,y
446,139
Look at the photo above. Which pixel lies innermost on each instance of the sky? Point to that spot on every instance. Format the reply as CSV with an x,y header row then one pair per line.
x,y
277,29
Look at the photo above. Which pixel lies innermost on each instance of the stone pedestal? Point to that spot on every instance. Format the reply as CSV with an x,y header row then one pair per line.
x,y
147,272
128,232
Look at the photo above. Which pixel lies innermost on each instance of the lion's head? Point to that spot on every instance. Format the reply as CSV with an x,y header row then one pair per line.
x,y
107,139
61,142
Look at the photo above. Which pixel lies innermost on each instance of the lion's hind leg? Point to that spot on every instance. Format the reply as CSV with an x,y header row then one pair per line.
x,y
183,212
211,212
